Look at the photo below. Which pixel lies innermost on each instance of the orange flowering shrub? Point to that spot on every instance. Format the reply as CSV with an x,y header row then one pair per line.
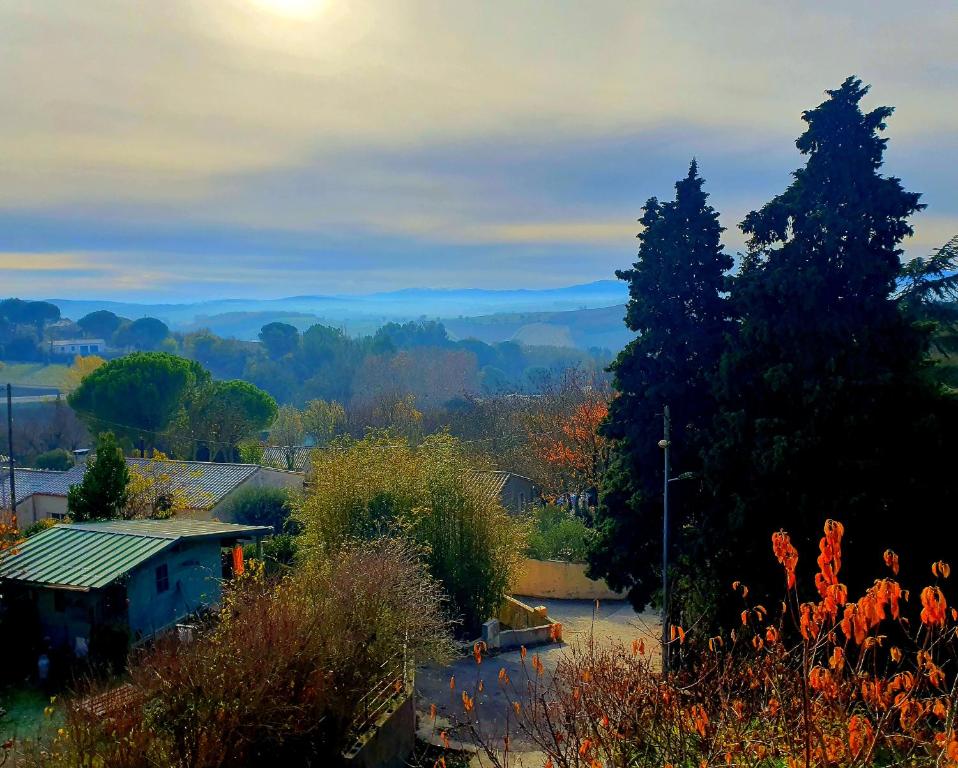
x,y
832,681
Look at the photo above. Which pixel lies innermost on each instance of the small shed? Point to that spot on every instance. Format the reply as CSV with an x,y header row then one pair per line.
x,y
136,577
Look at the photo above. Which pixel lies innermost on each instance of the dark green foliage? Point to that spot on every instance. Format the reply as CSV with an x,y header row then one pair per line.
x,y
36,313
260,506
138,394
325,363
826,408
144,334
280,339
22,326
557,534
928,294
817,402
426,333
58,459
102,494
216,416
101,324
677,307
278,553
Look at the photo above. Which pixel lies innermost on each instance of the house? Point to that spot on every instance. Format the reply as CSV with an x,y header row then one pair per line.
x,y
205,487
73,347
136,577
27,482
513,491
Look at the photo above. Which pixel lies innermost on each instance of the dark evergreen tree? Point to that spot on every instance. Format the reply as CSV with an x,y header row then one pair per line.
x,y
677,307
102,494
826,406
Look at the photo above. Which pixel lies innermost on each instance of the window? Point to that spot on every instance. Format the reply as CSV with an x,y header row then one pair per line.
x,y
59,516
162,579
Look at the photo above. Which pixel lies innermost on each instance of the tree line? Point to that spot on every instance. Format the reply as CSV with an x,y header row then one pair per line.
x,y
801,387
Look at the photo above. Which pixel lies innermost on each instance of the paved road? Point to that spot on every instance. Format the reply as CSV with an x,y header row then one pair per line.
x,y
611,622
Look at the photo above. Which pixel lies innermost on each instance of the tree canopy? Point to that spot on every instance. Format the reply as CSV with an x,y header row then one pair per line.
x,y
825,405
137,394
100,324
678,308
144,334
280,339
800,390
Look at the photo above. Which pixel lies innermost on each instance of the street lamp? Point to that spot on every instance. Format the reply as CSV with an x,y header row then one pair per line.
x,y
666,445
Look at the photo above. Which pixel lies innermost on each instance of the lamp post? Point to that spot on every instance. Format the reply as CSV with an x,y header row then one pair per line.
x,y
666,445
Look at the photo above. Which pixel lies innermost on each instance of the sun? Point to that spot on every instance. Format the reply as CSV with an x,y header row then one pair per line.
x,y
291,9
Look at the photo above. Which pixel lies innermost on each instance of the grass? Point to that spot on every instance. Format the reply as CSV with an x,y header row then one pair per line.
x,y
34,374
24,718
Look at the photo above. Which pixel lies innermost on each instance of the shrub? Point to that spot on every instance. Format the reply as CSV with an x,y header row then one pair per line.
x,y
39,527
825,681
279,553
382,485
558,534
260,506
277,678
57,459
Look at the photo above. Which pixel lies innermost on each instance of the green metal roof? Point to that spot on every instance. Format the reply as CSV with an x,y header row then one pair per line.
x,y
86,556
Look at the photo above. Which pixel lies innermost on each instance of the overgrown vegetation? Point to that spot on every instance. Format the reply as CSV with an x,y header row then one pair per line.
x,y
558,534
383,486
276,676
260,506
818,679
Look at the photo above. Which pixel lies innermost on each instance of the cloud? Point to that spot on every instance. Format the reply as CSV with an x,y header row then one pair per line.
x,y
385,138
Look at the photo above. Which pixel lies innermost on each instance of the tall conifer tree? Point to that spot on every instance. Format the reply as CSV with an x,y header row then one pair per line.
x,y
826,408
102,494
677,308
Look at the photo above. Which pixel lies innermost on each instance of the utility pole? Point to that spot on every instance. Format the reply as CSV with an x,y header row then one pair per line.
x,y
666,445
13,482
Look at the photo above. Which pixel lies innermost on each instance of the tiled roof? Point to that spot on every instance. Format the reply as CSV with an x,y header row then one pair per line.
x,y
88,556
275,456
58,483
27,481
203,484
489,482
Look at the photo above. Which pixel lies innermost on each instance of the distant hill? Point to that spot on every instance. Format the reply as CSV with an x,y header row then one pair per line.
x,y
582,328
242,318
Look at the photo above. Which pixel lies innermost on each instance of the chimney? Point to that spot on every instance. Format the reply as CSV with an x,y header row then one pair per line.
x,y
80,456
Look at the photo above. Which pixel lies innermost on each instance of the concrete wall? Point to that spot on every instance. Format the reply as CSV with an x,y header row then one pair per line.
x,y
265,477
517,493
391,741
560,580
520,624
43,506
26,513
195,575
63,627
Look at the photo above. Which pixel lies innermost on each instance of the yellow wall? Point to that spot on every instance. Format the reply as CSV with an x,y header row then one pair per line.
x,y
560,580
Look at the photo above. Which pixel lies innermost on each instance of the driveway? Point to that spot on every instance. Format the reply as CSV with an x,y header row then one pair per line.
x,y
609,623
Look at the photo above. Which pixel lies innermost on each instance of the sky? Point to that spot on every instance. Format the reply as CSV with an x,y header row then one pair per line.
x,y
187,150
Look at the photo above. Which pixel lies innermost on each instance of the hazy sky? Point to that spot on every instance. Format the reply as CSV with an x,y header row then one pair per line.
x,y
165,149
